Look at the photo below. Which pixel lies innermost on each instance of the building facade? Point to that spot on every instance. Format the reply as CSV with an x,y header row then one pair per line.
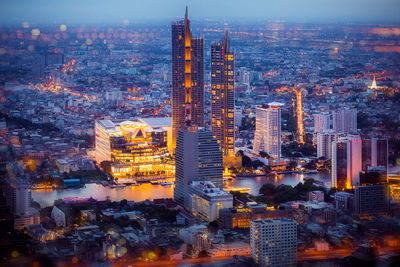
x,y
206,200
346,161
133,148
324,142
197,158
344,120
223,95
18,196
267,137
371,199
273,242
187,78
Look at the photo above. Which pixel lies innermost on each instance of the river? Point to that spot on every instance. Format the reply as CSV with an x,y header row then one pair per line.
x,y
148,191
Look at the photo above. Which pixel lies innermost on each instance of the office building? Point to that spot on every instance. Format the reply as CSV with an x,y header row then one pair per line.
x,y
267,137
322,122
344,201
371,199
197,158
324,142
374,153
18,196
136,148
206,200
346,161
273,242
223,95
187,78
344,120
373,176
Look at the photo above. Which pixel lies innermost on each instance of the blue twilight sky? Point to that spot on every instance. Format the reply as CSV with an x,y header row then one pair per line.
x,y
104,11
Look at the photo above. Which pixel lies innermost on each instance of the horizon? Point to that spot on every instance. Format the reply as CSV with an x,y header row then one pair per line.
x,y
107,12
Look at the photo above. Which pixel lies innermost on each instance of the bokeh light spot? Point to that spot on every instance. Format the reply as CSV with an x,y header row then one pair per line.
x,y
63,27
35,32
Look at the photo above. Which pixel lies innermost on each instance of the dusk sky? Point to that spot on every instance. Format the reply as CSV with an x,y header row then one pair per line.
x,y
97,11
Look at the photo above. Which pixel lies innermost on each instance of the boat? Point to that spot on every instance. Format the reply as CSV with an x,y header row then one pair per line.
x,y
166,183
154,182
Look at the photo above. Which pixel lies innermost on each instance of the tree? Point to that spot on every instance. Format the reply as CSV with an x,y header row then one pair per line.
x,y
267,189
203,254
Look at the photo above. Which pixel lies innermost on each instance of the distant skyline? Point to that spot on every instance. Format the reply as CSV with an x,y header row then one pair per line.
x,y
114,11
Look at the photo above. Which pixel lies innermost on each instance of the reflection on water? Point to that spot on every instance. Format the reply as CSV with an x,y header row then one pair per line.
x,y
99,192
149,191
255,183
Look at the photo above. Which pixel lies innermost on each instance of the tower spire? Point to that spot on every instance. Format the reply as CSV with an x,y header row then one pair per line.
x,y
226,42
186,13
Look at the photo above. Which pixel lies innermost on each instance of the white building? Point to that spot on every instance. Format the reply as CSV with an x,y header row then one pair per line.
x,y
316,195
58,216
18,196
322,122
187,235
238,115
273,242
207,199
344,120
324,142
267,136
346,161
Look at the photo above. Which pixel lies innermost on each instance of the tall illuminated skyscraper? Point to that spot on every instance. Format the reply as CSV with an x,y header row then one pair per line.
x,y
223,95
187,77
267,137
346,161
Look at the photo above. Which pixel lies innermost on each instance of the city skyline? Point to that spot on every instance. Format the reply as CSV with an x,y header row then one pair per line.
x,y
106,11
220,143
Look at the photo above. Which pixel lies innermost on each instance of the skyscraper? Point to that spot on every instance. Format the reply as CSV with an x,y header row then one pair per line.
x,y
197,158
344,120
273,242
346,161
223,95
324,143
322,122
374,153
187,77
267,137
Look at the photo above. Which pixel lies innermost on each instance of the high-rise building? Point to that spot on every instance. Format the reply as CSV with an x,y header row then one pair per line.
x,y
197,158
371,199
374,153
18,196
344,120
267,137
324,142
187,77
340,121
273,242
223,95
346,161
322,122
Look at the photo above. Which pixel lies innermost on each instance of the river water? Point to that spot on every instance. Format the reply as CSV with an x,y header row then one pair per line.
x,y
148,191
